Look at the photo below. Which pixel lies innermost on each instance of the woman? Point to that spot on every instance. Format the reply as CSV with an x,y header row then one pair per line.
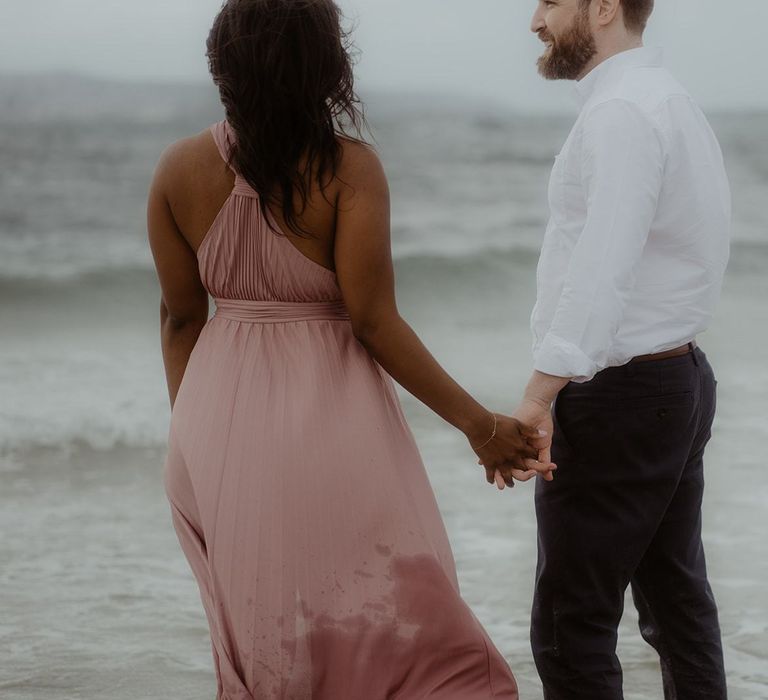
x,y
297,490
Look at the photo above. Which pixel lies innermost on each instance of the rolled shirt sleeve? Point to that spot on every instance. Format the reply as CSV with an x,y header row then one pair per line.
x,y
622,166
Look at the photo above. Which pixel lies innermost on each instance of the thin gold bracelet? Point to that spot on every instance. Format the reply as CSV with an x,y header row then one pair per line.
x,y
488,441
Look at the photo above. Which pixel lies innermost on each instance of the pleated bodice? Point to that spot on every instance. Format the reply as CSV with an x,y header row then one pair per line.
x,y
245,256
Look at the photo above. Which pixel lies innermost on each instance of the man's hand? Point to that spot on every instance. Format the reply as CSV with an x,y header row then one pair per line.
x,y
516,452
535,413
538,415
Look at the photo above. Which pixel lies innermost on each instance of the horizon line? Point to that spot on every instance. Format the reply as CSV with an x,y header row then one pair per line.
x,y
424,95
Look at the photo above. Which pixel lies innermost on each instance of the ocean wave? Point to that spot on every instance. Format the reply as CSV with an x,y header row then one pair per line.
x,y
105,273
138,416
82,391
80,362
116,275
81,354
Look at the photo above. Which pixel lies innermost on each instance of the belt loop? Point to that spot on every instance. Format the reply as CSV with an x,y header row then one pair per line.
x,y
693,354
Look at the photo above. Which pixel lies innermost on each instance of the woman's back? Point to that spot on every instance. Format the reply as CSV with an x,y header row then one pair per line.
x,y
246,255
246,251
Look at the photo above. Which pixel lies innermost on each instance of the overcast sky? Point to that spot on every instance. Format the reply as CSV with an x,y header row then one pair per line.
x,y
479,50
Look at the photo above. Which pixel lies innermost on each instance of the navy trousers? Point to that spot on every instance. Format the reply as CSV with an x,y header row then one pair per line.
x,y
625,508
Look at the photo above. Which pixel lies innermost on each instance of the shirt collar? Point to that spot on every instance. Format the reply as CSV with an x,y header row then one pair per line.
x,y
614,66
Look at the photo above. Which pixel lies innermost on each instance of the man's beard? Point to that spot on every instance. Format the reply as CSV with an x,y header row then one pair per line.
x,y
569,54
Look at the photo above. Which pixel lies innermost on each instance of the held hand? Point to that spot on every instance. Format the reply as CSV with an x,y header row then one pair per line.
x,y
538,415
513,451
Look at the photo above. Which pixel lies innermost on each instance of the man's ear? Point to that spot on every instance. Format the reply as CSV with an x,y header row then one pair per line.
x,y
607,10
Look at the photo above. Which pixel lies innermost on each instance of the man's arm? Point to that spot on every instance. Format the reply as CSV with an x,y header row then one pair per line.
x,y
621,172
543,388
536,409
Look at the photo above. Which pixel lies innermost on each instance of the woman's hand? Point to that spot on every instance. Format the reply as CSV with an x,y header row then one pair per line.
x,y
512,453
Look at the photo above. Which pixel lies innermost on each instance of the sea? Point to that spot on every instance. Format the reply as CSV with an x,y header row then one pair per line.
x,y
96,600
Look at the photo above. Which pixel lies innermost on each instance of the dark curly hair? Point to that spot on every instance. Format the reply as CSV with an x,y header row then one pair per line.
x,y
284,73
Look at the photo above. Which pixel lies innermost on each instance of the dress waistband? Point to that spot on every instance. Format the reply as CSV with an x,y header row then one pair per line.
x,y
248,311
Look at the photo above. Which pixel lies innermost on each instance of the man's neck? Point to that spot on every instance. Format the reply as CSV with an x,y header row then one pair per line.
x,y
610,50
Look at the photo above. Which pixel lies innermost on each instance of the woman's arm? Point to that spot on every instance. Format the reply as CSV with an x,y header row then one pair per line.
x,y
184,303
365,273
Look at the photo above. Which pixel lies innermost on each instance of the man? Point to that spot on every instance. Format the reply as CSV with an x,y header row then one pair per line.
x,y
631,267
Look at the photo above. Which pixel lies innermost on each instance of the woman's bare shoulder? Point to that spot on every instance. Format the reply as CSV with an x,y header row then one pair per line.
x,y
187,158
360,167
358,154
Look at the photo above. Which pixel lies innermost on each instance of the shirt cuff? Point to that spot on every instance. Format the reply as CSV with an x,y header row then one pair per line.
x,y
561,358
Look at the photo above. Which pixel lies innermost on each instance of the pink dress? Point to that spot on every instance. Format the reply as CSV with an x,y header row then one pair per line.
x,y
299,496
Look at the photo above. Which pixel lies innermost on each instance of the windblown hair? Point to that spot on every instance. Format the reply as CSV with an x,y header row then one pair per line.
x,y
636,13
284,73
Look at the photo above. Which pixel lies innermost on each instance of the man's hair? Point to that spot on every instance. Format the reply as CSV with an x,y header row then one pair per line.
x,y
636,13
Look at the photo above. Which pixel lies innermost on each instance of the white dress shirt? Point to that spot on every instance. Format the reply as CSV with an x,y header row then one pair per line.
x,y
638,241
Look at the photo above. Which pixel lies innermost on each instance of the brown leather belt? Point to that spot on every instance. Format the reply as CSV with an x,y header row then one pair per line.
x,y
667,354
